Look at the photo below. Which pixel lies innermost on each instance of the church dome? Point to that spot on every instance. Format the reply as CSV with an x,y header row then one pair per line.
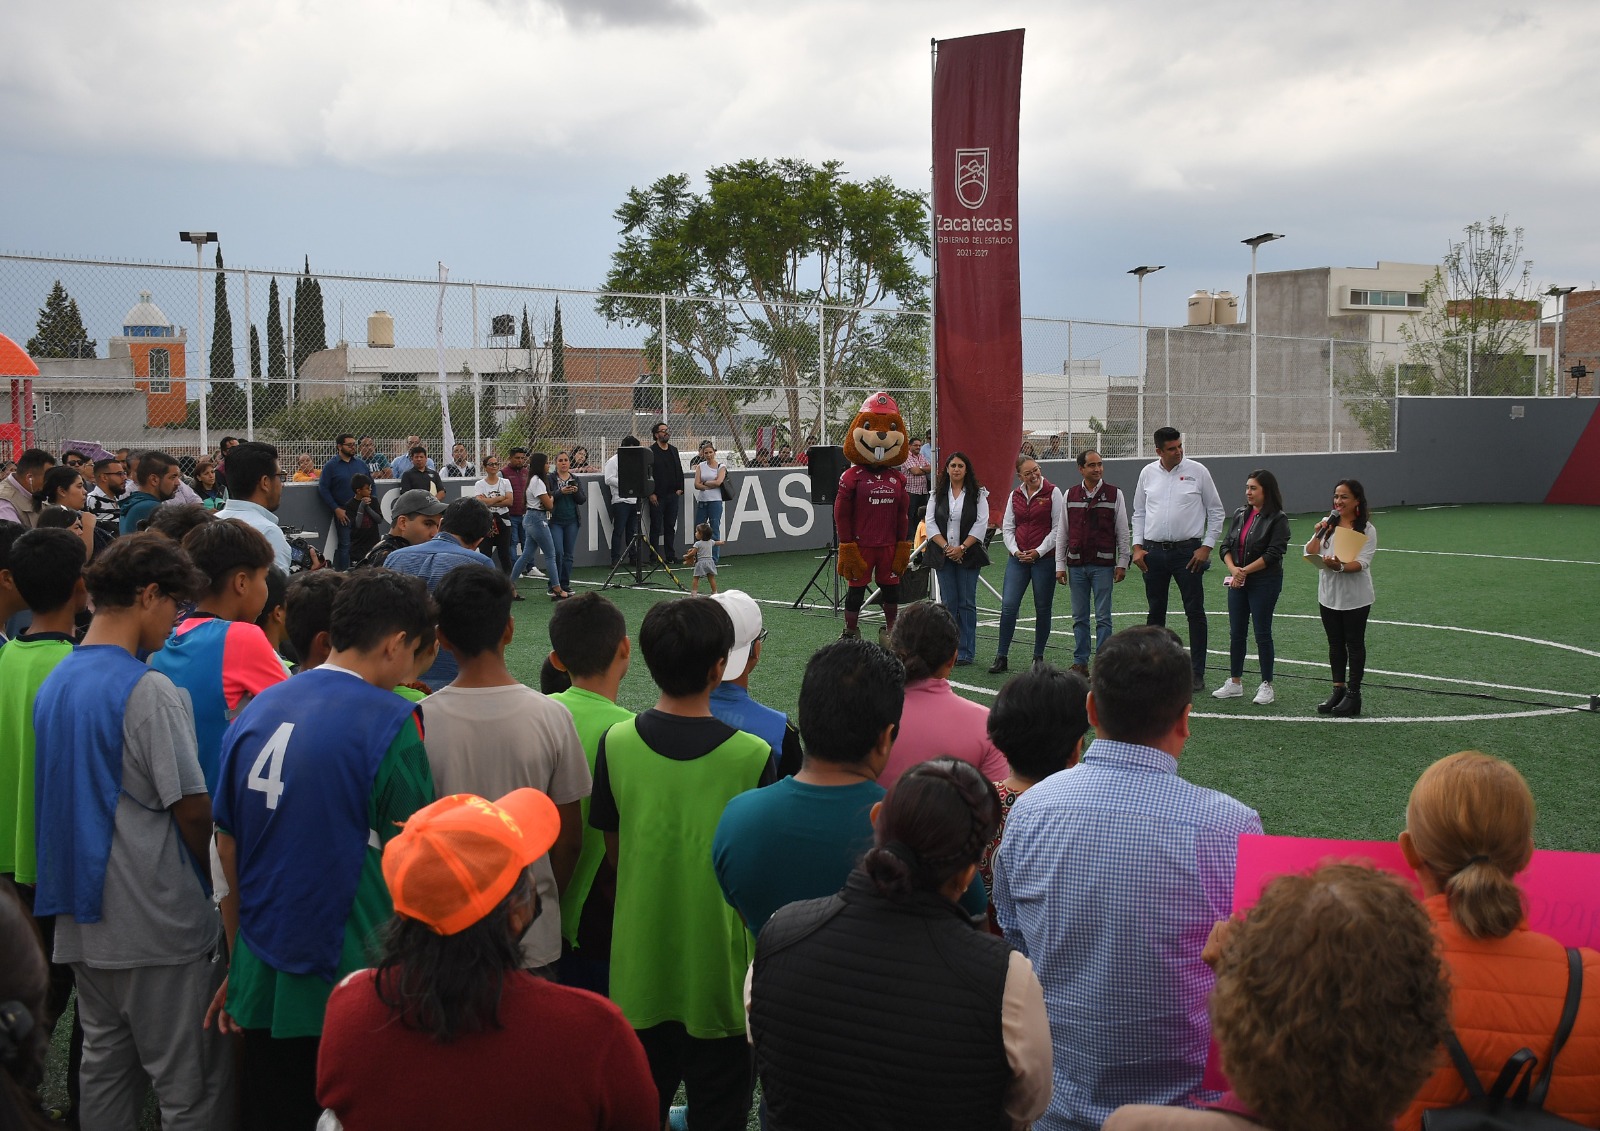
x,y
144,319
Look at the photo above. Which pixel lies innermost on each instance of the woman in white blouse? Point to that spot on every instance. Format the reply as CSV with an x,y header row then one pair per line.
x,y
958,518
1344,591
709,476
496,495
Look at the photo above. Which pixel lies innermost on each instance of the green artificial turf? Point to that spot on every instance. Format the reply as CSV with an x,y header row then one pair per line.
x,y
1314,777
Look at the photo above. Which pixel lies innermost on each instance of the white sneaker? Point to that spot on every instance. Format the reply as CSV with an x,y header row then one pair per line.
x,y
1231,689
535,571
1264,695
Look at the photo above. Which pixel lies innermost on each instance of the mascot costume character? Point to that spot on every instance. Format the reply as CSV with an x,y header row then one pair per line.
x,y
871,511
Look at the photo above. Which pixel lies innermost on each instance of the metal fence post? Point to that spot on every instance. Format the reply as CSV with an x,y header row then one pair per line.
x,y
664,407
249,377
477,418
1330,394
822,378
1471,347
1166,348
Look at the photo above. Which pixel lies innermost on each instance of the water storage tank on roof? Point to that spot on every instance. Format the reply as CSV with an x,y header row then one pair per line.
x,y
1200,308
1225,308
380,329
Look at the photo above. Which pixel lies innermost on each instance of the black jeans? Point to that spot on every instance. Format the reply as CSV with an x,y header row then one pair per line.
x,y
624,525
278,1082
718,1075
1347,642
1166,566
498,546
664,524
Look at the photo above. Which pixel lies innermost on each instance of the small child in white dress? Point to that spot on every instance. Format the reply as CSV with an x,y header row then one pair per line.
x,y
703,555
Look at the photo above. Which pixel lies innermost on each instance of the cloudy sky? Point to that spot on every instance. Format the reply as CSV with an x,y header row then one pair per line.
x,y
498,135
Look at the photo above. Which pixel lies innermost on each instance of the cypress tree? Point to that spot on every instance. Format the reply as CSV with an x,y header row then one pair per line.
x,y
255,353
221,329
560,398
276,369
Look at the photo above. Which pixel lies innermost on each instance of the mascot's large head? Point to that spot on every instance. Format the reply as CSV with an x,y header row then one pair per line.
x,y
878,435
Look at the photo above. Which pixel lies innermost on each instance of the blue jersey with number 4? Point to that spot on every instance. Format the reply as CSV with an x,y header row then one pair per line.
x,y
297,769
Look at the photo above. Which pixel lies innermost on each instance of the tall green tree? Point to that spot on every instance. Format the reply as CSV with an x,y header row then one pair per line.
x,y
525,342
221,329
560,395
255,353
225,403
753,255
310,320
1475,333
277,370
60,331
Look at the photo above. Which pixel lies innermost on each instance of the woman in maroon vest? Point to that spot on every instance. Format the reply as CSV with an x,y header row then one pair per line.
x,y
1029,529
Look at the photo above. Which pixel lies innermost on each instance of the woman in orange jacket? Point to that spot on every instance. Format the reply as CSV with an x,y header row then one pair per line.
x,y
1469,831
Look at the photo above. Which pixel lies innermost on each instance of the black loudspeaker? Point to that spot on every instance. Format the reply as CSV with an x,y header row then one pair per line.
x,y
635,479
825,463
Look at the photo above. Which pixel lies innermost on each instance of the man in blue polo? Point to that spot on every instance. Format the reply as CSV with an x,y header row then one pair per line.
x,y
465,524
336,490
731,701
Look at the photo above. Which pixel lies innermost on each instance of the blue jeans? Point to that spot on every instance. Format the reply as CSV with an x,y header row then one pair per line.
x,y
1254,602
1041,575
958,589
536,536
624,525
1169,565
341,553
565,537
1086,582
710,512
514,524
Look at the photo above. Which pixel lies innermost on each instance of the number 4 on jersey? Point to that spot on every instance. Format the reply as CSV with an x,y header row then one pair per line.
x,y
267,773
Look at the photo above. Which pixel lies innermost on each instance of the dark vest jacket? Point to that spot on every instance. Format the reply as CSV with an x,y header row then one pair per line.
x,y
875,1013
969,513
1031,517
1091,527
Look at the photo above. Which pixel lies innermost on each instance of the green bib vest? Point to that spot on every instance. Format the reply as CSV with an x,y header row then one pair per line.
x,y
679,952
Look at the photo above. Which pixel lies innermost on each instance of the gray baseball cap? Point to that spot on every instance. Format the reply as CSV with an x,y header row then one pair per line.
x,y
417,501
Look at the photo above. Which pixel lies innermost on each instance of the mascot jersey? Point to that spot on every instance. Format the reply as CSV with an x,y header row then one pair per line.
x,y
872,507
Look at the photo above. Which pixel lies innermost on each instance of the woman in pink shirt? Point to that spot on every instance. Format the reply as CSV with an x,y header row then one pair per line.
x,y
936,721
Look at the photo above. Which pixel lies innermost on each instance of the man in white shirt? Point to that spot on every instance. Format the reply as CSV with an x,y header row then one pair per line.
x,y
1177,519
254,491
624,508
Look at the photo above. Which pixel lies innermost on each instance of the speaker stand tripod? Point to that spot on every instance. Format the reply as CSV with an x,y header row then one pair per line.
x,y
831,599
638,547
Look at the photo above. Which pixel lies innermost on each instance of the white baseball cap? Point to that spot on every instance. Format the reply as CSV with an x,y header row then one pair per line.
x,y
746,616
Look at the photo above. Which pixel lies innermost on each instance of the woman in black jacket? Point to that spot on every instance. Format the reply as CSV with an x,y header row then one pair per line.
x,y
1252,550
883,1007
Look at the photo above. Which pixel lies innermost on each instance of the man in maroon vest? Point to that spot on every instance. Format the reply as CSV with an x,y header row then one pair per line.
x,y
1033,512
1092,551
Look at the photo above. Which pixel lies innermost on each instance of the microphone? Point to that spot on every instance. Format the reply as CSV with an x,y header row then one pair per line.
x,y
1327,525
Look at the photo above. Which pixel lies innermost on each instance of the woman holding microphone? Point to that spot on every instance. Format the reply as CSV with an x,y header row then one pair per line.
x,y
1252,549
1344,592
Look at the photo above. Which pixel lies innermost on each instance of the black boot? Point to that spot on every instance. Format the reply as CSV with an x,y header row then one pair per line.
x,y
1350,706
998,666
1327,705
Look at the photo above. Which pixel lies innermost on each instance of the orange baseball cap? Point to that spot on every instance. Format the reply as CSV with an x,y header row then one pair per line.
x,y
456,859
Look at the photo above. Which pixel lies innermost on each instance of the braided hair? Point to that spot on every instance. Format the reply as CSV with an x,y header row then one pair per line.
x,y
934,824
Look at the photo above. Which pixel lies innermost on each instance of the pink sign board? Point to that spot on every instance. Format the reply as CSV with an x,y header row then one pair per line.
x,y
1563,888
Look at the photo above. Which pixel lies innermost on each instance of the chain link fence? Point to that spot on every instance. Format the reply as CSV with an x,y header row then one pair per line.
x,y
150,355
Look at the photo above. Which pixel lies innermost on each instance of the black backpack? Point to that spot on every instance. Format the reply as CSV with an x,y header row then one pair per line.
x,y
1501,1109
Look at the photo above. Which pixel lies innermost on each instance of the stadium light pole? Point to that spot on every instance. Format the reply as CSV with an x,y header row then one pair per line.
x,y
1560,295
200,239
1144,357
1255,243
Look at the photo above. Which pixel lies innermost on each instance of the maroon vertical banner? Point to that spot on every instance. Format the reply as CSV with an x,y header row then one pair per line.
x,y
977,307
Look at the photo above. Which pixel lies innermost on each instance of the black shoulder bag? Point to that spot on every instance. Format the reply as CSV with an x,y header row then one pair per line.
x,y
1501,1109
